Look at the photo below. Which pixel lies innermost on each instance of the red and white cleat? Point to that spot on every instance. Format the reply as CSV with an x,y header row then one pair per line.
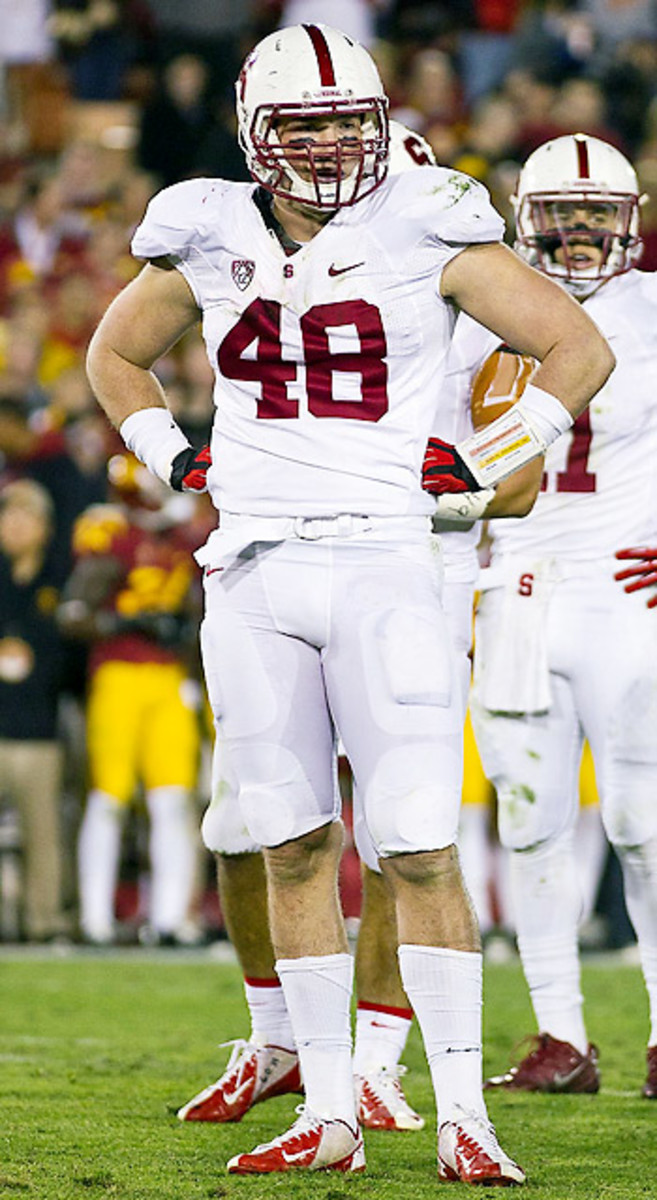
x,y
551,1066
254,1073
381,1103
469,1152
312,1144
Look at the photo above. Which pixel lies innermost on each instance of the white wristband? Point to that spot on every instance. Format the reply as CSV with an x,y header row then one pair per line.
x,y
521,434
154,437
546,414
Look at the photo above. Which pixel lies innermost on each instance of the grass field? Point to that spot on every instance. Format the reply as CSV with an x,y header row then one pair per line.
x,y
97,1051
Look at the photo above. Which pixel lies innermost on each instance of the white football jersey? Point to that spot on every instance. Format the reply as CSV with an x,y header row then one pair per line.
x,y
329,362
599,490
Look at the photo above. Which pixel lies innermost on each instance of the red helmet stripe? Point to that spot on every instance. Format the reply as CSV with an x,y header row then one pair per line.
x,y
324,60
583,169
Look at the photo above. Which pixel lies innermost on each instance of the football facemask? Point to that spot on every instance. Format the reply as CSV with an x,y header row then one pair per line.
x,y
577,212
312,117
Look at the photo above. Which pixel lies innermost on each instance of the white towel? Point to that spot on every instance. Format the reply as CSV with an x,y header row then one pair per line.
x,y
511,662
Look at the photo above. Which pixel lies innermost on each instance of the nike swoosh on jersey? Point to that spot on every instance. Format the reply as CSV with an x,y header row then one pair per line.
x,y
333,270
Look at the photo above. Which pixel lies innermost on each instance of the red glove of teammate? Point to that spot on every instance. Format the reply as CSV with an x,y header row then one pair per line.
x,y
189,470
644,574
443,470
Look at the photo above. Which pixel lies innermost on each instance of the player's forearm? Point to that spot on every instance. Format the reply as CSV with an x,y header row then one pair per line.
x,y
515,496
121,387
576,367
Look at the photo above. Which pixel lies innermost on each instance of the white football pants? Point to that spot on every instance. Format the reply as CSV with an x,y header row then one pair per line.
x,y
303,638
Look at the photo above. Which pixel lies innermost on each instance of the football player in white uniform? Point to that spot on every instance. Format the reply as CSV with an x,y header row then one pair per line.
x,y
266,1064
328,294
562,652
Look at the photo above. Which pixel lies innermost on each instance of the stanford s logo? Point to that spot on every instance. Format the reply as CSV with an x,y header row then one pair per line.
x,y
526,584
242,271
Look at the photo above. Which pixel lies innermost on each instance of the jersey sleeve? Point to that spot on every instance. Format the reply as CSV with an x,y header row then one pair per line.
x,y
173,227
454,209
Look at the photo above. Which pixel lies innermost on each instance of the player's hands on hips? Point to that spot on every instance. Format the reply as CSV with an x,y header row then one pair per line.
x,y
189,469
644,572
443,470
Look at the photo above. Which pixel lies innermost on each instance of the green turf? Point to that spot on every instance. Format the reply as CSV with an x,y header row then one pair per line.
x,y
97,1051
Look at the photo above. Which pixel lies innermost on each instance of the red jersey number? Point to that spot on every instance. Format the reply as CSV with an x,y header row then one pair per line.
x,y
260,323
577,477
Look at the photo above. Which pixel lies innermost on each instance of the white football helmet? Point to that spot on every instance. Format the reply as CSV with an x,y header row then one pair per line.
x,y
313,71
572,192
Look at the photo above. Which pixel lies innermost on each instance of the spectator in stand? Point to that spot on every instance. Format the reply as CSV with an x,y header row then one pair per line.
x,y
132,596
174,125
20,356
31,673
486,51
491,137
98,40
432,92
35,243
74,307
26,452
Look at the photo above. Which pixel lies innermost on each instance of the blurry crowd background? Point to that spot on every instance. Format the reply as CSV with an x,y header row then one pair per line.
x,y
102,102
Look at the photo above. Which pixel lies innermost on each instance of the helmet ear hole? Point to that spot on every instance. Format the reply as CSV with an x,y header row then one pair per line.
x,y
594,183
311,73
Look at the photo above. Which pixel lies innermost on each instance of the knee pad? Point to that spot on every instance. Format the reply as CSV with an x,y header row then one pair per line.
x,y
276,799
412,802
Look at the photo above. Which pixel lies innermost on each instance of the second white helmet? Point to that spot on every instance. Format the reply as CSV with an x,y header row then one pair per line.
x,y
578,187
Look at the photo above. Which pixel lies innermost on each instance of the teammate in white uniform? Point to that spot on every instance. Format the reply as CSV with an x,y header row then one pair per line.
x,y
562,652
327,313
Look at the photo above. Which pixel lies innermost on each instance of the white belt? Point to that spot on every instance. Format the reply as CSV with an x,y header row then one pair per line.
x,y
265,529
238,530
276,529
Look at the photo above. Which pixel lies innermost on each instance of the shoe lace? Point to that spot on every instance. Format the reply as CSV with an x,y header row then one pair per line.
x,y
477,1133
240,1048
386,1081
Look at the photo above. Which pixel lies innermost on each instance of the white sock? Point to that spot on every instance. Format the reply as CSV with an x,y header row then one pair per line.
x,y
318,997
547,906
639,865
270,1020
172,852
444,987
99,852
381,1033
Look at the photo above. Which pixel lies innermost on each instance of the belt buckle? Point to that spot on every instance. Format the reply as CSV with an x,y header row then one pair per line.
x,y
306,528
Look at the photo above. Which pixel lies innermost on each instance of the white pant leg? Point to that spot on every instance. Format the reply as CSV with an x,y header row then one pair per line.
x,y
303,632
457,606
392,684
275,747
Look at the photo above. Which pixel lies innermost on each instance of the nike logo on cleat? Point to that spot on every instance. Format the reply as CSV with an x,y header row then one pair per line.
x,y
333,270
296,1157
233,1097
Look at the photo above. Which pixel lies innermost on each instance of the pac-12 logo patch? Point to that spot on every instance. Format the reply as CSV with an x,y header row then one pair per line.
x,y
242,271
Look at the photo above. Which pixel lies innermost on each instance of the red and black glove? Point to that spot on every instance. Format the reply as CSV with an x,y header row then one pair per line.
x,y
643,574
189,469
443,470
